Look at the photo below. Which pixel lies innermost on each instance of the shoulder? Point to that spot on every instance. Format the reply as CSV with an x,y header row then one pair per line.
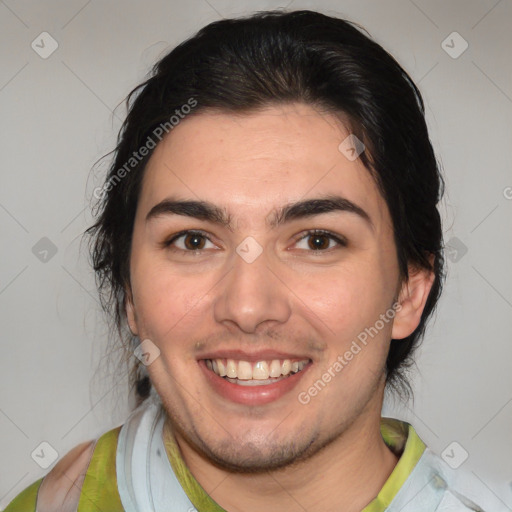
x,y
61,487
89,465
26,500
461,489
439,483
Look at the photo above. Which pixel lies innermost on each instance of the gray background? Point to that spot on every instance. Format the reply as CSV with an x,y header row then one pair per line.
x,y
58,118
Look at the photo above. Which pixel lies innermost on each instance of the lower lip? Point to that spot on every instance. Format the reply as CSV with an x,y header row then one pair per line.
x,y
252,395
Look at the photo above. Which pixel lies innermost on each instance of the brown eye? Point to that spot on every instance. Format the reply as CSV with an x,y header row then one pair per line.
x,y
188,241
318,242
321,241
194,242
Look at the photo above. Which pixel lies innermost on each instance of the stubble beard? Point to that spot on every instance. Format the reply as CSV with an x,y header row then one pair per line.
x,y
249,458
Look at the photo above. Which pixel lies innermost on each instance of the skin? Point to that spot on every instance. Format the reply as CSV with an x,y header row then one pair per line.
x,y
282,455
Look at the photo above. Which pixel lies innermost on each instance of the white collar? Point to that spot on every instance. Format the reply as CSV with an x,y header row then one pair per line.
x,y
145,478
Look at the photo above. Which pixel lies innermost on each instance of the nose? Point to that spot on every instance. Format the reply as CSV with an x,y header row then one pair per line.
x,y
252,296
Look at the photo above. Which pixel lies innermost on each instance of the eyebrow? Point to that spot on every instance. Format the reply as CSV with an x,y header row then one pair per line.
x,y
207,211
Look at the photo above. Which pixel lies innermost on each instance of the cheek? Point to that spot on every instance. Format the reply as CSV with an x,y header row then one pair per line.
x,y
166,300
345,299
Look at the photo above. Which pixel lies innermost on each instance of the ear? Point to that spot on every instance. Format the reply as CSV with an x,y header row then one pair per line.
x,y
412,298
130,312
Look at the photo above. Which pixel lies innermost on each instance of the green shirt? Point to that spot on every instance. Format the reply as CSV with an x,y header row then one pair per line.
x,y
99,491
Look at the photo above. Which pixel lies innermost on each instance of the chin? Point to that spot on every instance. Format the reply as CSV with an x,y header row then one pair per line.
x,y
242,456
253,459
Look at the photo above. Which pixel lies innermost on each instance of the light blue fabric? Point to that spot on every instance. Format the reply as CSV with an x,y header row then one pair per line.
x,y
433,486
146,480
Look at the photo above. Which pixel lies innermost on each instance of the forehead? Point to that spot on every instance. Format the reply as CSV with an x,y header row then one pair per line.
x,y
252,163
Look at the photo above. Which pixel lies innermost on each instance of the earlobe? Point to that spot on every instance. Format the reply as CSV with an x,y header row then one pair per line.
x,y
412,299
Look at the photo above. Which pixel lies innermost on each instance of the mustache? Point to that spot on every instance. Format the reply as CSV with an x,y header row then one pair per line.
x,y
272,340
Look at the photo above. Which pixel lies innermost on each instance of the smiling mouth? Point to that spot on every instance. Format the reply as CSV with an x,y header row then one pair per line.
x,y
259,373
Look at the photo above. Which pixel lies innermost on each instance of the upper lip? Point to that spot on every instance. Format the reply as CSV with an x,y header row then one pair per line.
x,y
252,356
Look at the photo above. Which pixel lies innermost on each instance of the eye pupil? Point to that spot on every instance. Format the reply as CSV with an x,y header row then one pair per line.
x,y
319,242
194,242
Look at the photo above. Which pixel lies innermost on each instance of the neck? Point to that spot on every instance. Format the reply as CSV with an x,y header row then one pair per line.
x,y
348,473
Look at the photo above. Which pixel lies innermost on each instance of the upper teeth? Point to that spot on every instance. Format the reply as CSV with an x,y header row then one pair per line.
x,y
260,370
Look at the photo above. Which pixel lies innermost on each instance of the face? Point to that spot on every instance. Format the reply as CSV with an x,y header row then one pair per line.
x,y
251,300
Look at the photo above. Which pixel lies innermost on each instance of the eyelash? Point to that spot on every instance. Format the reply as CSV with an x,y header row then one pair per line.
x,y
312,232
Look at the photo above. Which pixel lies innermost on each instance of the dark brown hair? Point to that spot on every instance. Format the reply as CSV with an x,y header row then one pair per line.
x,y
241,65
